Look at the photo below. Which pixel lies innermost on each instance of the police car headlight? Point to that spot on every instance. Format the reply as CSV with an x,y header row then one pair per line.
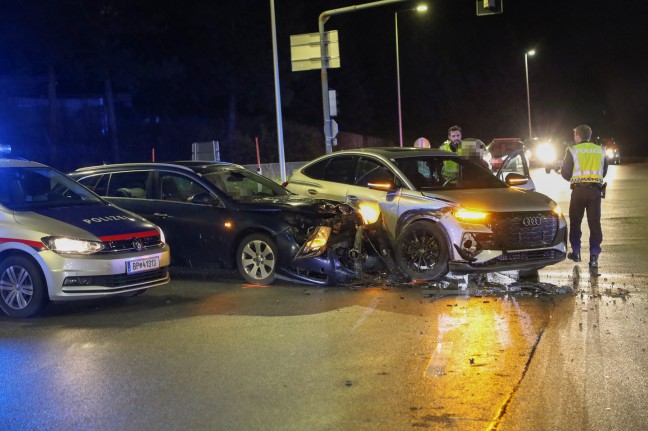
x,y
162,237
64,245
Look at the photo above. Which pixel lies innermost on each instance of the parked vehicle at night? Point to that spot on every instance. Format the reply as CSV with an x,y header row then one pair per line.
x,y
434,223
60,242
223,214
500,148
611,150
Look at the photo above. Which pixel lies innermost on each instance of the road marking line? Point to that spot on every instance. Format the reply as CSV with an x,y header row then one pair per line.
x,y
439,360
371,309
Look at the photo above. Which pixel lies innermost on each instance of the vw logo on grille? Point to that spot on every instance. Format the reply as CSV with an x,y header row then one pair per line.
x,y
137,244
531,221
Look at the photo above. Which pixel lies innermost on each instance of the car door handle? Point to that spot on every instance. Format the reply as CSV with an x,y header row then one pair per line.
x,y
352,198
311,191
161,215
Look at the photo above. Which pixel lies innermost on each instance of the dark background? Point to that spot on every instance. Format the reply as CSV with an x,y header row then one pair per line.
x,y
85,82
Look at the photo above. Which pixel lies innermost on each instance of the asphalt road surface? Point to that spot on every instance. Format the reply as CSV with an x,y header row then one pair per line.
x,y
564,352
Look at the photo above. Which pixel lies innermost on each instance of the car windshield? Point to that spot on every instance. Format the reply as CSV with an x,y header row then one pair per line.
x,y
452,173
243,185
30,188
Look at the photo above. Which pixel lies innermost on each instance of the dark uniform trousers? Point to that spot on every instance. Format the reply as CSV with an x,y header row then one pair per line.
x,y
585,197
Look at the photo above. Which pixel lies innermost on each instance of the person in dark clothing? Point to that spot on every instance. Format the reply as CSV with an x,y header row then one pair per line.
x,y
585,166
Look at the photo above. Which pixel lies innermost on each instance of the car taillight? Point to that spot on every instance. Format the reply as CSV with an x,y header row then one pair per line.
x,y
284,184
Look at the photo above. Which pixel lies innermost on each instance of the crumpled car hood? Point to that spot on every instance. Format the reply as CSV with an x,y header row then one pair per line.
x,y
297,203
500,200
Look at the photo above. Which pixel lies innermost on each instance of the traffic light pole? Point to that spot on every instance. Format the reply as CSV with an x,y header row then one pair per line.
x,y
324,16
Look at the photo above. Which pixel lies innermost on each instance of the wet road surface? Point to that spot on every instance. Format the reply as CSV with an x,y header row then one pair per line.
x,y
564,351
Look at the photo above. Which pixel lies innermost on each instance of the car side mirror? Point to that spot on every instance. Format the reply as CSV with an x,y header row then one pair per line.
x,y
513,179
385,186
202,198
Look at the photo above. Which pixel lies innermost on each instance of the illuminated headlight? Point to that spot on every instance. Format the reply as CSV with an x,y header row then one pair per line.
x,y
370,211
470,216
546,153
609,152
162,237
557,210
64,245
316,244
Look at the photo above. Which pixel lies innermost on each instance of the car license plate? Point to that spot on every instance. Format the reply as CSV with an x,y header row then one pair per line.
x,y
141,265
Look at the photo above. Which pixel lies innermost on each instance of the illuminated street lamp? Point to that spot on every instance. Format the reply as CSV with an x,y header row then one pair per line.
x,y
526,68
420,8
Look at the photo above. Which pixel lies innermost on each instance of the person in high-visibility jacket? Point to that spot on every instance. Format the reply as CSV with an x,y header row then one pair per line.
x,y
450,170
585,166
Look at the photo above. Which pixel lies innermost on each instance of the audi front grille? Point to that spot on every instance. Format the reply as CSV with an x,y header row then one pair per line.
x,y
515,231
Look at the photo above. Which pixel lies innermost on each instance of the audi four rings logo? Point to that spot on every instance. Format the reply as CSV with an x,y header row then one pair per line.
x,y
531,221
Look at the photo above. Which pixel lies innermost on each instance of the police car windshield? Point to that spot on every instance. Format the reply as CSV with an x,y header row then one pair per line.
x,y
30,188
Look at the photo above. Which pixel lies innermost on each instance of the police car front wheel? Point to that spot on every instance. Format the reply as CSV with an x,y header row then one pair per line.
x,y
23,292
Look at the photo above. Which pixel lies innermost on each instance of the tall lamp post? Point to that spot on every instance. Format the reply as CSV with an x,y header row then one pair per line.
x,y
528,54
420,8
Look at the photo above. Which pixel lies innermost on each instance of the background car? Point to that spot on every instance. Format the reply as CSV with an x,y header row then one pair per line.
x,y
60,242
474,223
500,148
550,154
221,213
611,150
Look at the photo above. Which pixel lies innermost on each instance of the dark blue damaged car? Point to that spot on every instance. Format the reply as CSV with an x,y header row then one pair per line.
x,y
225,215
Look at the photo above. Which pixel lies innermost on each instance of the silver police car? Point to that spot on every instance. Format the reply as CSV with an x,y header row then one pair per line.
x,y
59,242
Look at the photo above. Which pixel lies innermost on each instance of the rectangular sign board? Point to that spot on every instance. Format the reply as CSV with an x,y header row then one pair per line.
x,y
305,51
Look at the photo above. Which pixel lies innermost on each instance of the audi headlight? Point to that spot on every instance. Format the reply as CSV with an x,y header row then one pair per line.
x,y
63,245
470,216
557,210
316,243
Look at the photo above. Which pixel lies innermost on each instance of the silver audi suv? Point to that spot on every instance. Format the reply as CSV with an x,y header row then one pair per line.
x,y
441,212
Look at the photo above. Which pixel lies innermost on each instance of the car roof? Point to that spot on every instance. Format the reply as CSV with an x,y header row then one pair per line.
x,y
180,166
393,152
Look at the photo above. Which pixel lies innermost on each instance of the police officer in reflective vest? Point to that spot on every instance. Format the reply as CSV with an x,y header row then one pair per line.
x,y
584,167
450,168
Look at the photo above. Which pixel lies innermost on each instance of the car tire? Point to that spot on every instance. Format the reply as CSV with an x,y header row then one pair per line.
x,y
23,292
256,259
422,251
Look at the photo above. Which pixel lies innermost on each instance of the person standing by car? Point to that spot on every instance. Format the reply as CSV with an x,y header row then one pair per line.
x,y
450,168
584,167
421,143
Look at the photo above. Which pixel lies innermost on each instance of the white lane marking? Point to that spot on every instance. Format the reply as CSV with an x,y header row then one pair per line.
x,y
371,309
439,360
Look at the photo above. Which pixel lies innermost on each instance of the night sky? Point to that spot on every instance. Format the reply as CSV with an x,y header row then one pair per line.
x,y
202,70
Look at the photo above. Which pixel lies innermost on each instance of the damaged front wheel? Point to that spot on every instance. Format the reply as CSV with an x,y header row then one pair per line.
x,y
422,251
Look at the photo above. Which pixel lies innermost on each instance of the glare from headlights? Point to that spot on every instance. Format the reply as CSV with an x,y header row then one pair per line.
x,y
470,216
546,152
557,210
64,245
609,153
370,211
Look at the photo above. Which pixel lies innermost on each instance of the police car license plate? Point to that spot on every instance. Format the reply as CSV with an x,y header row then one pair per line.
x,y
141,265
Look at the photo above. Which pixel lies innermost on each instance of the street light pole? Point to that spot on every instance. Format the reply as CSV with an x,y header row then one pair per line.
x,y
324,16
526,69
421,8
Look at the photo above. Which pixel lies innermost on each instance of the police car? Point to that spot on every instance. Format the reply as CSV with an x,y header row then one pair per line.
x,y
59,242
